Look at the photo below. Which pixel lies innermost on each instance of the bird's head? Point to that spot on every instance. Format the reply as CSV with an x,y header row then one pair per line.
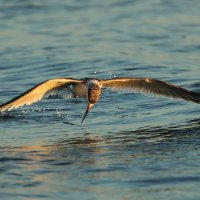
x,y
93,94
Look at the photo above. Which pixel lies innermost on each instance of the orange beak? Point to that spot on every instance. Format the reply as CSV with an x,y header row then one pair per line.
x,y
89,106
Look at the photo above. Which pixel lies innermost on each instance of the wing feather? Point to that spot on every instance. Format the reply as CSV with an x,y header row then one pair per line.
x,y
37,92
147,85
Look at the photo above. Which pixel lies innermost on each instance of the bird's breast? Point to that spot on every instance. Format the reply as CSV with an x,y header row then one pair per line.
x,y
80,89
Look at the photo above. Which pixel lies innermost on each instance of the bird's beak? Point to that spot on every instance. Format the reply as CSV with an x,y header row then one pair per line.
x,y
89,106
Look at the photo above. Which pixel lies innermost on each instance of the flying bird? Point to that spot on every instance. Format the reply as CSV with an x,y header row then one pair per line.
x,y
90,89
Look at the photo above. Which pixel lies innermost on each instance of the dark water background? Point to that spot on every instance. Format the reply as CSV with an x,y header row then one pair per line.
x,y
130,146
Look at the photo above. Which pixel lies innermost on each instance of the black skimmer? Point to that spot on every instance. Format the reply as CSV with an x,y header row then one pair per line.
x,y
90,89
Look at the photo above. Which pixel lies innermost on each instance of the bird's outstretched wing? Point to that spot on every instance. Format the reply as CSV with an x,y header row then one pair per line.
x,y
153,86
38,92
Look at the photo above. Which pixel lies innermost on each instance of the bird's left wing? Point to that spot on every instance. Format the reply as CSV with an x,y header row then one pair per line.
x,y
147,85
38,92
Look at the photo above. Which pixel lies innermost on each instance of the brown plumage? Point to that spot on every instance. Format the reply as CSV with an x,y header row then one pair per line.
x,y
90,89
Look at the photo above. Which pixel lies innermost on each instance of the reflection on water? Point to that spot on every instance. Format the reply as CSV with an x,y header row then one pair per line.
x,y
144,158
130,146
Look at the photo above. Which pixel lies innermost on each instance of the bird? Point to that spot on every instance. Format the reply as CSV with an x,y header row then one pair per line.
x,y
90,89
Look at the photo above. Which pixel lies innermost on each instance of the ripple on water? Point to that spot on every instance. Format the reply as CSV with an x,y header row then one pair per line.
x,y
130,146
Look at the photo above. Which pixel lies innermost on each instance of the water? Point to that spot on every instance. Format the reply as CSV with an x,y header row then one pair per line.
x,y
130,146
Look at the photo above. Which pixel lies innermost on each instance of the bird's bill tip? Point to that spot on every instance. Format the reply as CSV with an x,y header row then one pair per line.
x,y
89,106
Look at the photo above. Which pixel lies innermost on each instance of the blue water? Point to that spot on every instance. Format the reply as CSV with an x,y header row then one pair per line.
x,y
130,146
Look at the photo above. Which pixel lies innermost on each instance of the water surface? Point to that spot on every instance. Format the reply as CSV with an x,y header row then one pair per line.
x,y
130,146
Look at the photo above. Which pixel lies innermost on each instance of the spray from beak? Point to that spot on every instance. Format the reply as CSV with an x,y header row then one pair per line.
x,y
89,106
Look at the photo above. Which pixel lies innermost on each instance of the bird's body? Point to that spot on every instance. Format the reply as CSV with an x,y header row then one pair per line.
x,y
90,89
80,90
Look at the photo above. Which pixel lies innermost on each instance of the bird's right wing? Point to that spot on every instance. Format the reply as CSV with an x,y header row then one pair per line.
x,y
148,85
38,92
